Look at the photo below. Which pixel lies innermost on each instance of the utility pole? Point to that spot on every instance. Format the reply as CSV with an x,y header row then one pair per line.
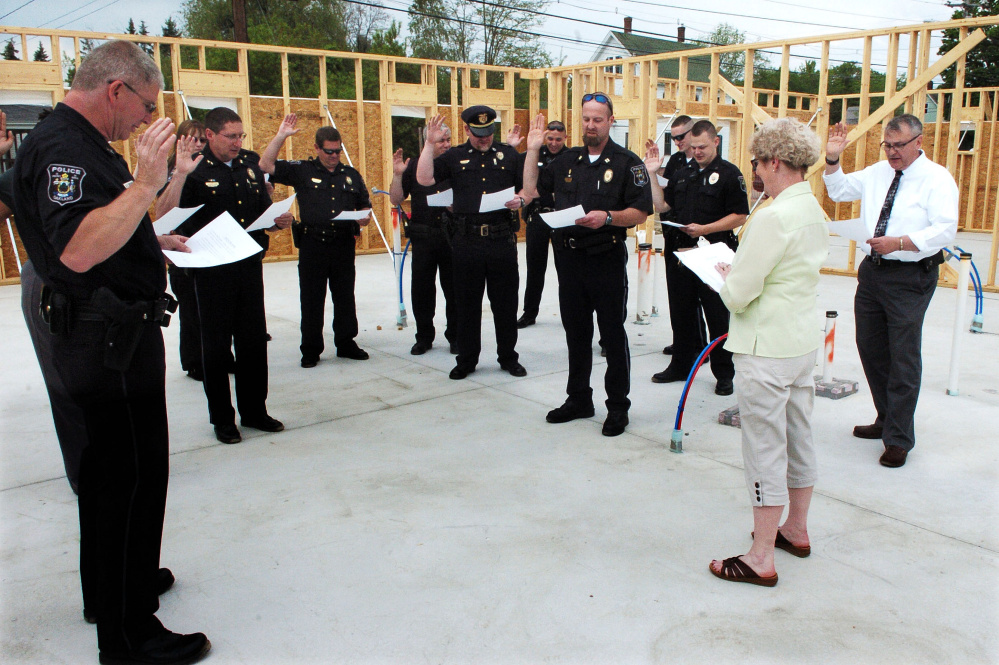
x,y
239,21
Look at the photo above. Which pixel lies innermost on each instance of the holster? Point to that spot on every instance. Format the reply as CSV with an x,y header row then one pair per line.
x,y
56,310
124,323
296,233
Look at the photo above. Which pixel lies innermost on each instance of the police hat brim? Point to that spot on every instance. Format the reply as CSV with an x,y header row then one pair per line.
x,y
483,131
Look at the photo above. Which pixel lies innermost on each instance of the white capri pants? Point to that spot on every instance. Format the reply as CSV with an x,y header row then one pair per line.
x,y
775,406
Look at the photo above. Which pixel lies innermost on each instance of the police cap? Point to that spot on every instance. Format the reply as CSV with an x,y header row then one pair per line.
x,y
479,119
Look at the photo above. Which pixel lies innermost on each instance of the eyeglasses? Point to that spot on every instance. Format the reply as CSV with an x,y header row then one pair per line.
x,y
234,137
679,137
150,106
556,127
754,162
198,139
895,147
600,98
332,151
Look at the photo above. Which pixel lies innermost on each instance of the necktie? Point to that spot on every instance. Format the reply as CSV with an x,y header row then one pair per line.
x,y
879,229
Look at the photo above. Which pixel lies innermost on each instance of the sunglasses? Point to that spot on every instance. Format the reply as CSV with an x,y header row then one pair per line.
x,y
332,151
679,137
556,127
600,98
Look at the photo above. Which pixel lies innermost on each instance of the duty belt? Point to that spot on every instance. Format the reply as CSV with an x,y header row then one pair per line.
x,y
486,230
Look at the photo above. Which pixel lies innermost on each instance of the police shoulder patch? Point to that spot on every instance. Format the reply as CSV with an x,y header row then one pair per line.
x,y
640,174
65,183
742,182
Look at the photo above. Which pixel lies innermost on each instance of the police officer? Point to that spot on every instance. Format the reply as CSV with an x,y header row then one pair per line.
x,y
538,233
484,244
431,246
231,297
710,201
612,185
83,218
325,187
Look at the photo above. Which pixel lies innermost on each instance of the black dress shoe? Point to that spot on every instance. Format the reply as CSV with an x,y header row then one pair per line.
x,y
196,374
868,431
164,580
569,411
164,649
669,375
309,363
526,320
264,423
615,423
603,351
894,457
227,434
724,387
515,369
420,348
460,372
668,350
356,353
268,337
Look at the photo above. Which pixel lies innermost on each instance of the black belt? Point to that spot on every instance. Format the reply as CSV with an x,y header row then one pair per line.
x,y
590,241
486,230
925,264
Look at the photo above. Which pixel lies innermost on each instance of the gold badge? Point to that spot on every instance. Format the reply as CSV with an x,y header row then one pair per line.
x,y
211,183
318,181
499,156
713,178
253,176
608,175
464,161
483,118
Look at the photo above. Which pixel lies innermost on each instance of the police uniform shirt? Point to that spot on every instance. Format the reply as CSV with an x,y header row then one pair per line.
x,y
66,169
473,173
617,180
705,196
237,189
678,160
322,194
420,212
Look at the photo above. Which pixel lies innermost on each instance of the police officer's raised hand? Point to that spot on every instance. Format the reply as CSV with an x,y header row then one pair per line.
x,y
652,159
6,136
288,126
187,148
152,149
435,131
594,219
536,135
513,137
398,164
836,143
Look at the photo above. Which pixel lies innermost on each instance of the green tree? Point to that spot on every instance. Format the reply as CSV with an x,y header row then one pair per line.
x,y
980,68
40,55
69,63
733,65
141,30
169,29
10,51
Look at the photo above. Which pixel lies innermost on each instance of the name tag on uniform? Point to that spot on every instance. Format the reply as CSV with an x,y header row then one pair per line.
x,y
318,181
211,183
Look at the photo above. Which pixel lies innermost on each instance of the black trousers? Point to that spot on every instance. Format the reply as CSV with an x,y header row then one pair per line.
x,y
889,308
486,264
537,238
689,297
432,255
123,478
182,285
231,307
320,266
587,284
68,417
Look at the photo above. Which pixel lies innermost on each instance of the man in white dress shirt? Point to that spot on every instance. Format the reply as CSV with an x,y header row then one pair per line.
x,y
910,207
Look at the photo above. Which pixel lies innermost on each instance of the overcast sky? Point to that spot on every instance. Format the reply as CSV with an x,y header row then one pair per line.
x,y
760,20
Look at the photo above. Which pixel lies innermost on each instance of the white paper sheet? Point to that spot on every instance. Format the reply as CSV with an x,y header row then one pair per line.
x,y
496,200
702,261
441,199
174,218
662,181
851,229
561,218
673,224
353,215
222,241
266,220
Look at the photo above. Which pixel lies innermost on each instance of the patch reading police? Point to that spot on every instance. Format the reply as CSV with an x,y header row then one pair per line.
x,y
713,178
65,183
742,182
640,174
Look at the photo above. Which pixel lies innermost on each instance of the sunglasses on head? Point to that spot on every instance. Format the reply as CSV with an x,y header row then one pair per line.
x,y
332,151
600,98
679,137
556,127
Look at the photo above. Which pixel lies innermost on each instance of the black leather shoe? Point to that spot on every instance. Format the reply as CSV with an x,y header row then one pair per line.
x,y
195,374
356,353
603,351
227,434
164,580
868,431
309,363
164,649
420,348
668,350
724,387
264,423
669,375
515,369
615,423
460,372
894,457
569,411
526,320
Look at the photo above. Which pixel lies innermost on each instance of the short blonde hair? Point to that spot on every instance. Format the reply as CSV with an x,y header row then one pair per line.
x,y
789,140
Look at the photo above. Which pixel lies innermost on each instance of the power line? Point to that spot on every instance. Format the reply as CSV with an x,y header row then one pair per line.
x,y
16,8
72,11
113,2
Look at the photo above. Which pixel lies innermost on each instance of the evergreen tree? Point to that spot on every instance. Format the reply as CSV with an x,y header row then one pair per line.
x,y
41,55
10,51
980,63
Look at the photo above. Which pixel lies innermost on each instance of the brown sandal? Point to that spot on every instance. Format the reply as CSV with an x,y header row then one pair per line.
x,y
737,570
783,543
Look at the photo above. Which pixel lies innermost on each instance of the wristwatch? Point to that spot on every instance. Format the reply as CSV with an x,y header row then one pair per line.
x,y
609,220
